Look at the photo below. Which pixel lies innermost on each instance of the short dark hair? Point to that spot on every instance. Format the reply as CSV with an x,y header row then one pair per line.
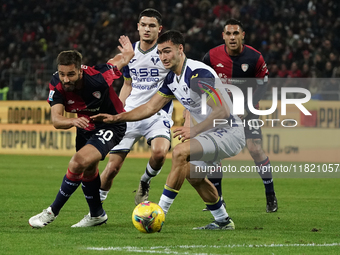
x,y
70,57
234,22
171,36
152,13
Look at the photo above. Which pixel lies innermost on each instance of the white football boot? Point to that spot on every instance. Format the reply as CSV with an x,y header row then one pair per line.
x,y
42,219
89,221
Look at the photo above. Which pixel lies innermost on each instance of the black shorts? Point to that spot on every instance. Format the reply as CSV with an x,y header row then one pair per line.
x,y
104,138
252,128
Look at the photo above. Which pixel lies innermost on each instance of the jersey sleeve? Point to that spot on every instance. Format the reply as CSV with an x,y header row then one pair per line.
x,y
55,96
126,72
202,81
165,91
261,70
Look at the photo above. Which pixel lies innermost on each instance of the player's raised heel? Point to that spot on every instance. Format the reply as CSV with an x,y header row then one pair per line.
x,y
215,225
142,193
271,204
89,221
42,219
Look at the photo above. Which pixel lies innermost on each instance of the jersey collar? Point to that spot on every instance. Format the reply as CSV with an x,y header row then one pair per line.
x,y
145,52
225,49
182,71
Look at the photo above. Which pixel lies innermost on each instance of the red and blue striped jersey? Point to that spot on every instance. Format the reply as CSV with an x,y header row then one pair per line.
x,y
96,95
248,69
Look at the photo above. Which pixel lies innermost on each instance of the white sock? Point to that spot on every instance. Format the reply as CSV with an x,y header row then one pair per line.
x,y
149,173
220,214
165,203
103,194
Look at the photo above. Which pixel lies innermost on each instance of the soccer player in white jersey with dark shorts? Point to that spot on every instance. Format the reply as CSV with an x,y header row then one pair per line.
x,y
202,144
143,76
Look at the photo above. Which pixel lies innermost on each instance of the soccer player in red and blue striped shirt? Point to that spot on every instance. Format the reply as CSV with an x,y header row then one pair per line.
x,y
86,91
243,66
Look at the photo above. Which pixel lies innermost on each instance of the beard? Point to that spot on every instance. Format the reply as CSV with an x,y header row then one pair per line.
x,y
69,86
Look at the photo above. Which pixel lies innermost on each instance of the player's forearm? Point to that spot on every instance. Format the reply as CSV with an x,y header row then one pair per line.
x,y
187,118
62,122
121,62
208,123
142,112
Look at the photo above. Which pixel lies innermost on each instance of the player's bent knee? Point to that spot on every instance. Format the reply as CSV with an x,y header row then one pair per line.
x,y
111,170
78,164
180,153
255,146
159,155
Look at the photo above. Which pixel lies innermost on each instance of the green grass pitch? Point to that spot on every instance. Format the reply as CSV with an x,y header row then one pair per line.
x,y
307,221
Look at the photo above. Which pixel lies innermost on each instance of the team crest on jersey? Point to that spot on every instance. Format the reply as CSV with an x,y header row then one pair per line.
x,y
155,59
97,94
244,67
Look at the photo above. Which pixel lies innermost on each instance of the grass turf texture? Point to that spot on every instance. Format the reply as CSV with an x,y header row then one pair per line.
x,y
308,213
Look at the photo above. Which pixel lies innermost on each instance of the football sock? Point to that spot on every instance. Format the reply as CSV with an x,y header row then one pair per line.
x,y
167,198
216,179
218,210
70,183
90,186
266,175
149,173
218,184
103,194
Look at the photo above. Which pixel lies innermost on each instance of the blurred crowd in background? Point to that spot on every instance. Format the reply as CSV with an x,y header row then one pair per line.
x,y
297,38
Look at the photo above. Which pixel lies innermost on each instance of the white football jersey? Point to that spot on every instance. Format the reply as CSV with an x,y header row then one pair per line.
x,y
195,80
147,73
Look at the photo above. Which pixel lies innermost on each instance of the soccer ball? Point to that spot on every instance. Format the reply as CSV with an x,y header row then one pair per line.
x,y
148,217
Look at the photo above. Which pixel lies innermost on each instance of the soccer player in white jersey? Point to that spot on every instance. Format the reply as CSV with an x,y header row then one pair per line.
x,y
143,76
202,144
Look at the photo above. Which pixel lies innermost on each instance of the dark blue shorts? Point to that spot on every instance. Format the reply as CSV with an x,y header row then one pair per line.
x,y
253,131
104,138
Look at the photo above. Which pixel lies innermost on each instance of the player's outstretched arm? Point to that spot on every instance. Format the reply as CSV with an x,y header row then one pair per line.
x,y
142,112
59,121
127,53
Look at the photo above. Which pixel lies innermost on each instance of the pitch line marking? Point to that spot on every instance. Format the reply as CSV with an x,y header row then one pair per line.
x,y
167,249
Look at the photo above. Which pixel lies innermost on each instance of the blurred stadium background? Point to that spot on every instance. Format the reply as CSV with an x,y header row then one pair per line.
x,y
298,39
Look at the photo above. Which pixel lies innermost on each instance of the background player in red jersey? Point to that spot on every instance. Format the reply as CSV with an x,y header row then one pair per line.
x,y
236,60
86,91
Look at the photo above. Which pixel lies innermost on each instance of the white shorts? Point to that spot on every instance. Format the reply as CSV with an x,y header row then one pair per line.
x,y
157,125
220,143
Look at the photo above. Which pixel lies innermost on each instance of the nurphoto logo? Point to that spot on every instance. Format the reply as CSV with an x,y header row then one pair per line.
x,y
237,105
